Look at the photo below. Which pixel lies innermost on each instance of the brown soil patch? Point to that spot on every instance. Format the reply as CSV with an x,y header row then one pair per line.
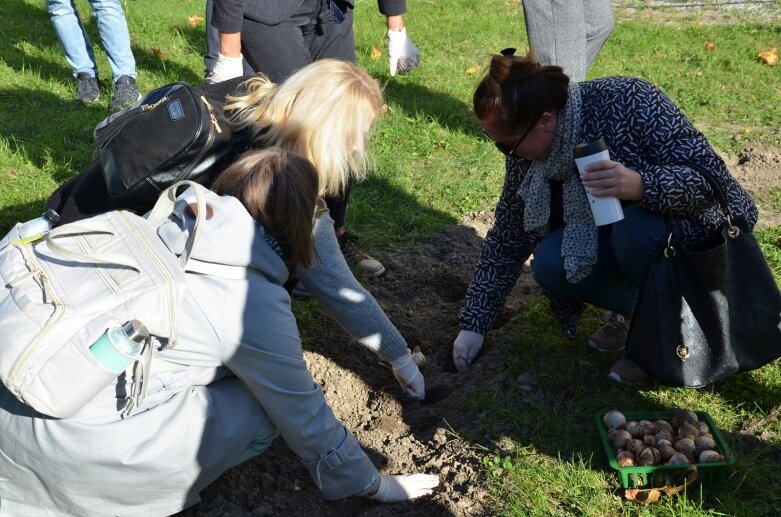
x,y
422,294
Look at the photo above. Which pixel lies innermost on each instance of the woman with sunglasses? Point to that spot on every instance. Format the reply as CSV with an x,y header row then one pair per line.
x,y
536,116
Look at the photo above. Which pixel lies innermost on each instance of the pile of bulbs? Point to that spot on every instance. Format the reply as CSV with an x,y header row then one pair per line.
x,y
685,441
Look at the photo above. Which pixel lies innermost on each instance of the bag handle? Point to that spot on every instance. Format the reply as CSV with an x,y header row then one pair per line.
x,y
81,228
164,207
721,196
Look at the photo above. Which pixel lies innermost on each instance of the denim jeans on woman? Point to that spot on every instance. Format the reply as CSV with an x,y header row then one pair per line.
x,y
626,249
78,47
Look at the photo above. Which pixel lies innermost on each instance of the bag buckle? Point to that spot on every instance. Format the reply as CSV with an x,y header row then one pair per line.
x,y
669,250
683,352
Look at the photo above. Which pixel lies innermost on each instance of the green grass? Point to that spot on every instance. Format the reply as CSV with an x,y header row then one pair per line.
x,y
432,165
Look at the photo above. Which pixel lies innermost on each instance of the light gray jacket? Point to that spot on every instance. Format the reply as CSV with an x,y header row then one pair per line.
x,y
244,365
344,298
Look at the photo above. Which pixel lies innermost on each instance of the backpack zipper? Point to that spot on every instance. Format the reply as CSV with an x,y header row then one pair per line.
x,y
173,289
59,311
114,127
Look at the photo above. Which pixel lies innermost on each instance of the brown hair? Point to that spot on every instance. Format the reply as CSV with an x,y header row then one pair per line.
x,y
279,189
517,90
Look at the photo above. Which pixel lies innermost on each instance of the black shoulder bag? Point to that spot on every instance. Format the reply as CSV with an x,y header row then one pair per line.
x,y
706,314
173,133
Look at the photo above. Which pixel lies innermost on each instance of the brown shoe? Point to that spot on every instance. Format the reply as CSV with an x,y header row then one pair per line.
x,y
625,371
612,336
356,259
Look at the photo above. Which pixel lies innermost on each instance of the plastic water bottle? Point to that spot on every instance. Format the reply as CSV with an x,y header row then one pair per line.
x,y
118,347
30,230
40,225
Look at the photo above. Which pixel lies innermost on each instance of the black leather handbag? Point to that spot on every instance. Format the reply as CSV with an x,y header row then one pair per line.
x,y
703,315
173,133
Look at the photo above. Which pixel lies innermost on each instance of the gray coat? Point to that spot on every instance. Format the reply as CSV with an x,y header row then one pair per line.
x,y
238,364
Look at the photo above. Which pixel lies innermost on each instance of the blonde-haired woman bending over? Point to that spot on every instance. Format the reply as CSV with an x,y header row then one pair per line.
x,y
324,111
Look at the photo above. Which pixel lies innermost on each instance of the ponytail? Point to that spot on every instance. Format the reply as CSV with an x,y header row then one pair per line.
x,y
516,91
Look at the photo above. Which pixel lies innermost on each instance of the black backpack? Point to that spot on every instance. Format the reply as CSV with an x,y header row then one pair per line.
x,y
171,134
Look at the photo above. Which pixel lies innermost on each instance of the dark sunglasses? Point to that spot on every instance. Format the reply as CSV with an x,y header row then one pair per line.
x,y
509,150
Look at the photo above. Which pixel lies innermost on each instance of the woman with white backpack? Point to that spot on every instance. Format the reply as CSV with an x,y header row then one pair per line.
x,y
236,379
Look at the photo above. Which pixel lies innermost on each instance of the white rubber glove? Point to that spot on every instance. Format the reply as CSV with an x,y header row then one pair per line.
x,y
404,55
465,348
410,379
403,487
227,68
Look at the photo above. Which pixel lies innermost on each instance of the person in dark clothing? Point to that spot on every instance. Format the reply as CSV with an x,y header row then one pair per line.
x,y
277,38
536,116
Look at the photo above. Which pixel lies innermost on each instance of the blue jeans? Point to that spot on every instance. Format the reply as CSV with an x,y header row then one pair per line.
x,y
626,249
78,47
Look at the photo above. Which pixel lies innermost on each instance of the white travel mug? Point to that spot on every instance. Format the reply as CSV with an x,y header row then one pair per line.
x,y
606,210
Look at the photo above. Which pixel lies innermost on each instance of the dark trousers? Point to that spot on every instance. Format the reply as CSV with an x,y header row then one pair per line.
x,y
626,249
319,29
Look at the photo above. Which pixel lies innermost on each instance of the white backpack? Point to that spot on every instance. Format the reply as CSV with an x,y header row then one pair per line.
x,y
62,292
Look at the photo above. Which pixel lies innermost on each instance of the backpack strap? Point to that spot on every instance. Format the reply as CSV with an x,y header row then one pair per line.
x,y
164,207
220,270
86,226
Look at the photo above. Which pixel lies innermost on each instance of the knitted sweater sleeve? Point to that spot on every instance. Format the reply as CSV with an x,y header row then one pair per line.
x,y
506,248
332,283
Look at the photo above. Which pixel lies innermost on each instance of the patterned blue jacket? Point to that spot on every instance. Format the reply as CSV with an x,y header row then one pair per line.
x,y
646,132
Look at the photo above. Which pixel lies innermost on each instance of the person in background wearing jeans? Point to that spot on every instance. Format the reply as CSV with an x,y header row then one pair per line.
x,y
568,33
81,57
279,37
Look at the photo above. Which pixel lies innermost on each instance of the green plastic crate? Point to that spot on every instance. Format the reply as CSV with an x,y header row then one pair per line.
x,y
710,475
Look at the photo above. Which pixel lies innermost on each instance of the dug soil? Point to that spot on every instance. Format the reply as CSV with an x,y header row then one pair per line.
x,y
422,293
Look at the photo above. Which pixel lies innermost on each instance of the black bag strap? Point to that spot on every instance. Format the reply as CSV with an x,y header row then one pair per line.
x,y
718,191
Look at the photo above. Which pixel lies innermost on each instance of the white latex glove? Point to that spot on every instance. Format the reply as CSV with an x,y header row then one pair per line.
x,y
465,348
407,373
403,487
227,68
404,55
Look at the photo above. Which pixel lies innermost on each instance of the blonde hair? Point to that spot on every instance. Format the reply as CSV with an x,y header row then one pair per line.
x,y
323,112
279,190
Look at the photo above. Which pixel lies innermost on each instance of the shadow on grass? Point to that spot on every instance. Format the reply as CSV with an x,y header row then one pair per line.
x,y
26,22
57,136
419,101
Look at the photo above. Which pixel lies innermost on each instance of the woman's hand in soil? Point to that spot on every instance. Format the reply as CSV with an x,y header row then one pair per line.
x,y
408,374
402,487
465,349
609,178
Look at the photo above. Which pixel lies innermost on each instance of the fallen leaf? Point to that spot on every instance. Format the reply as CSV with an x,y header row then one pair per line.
x,y
440,144
710,46
642,495
472,70
158,53
769,57
376,53
194,20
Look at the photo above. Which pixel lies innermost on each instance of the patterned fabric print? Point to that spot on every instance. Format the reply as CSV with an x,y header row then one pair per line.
x,y
579,246
646,132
